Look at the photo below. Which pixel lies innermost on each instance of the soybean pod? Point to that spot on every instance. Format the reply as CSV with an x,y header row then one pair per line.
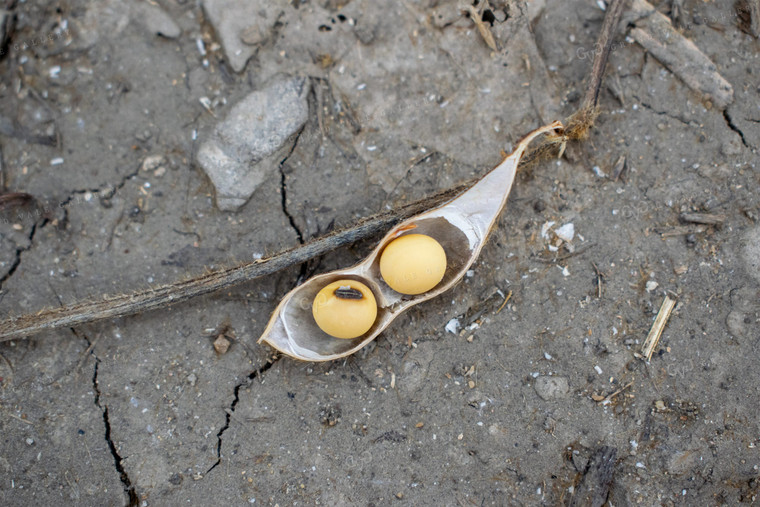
x,y
335,314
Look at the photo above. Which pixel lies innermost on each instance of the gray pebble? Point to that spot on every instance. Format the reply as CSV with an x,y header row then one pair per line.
x,y
253,139
550,388
242,26
155,19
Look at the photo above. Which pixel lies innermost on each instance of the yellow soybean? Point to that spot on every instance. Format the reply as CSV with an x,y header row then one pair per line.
x,y
345,309
413,264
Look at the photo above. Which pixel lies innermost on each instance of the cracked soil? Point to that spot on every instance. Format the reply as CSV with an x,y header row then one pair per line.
x,y
407,99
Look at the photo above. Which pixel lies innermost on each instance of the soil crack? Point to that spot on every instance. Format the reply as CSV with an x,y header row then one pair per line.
x,y
662,113
284,204
229,411
17,260
125,480
284,191
107,189
730,123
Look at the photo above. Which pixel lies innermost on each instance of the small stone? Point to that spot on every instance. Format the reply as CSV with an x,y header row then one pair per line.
x,y
221,345
152,162
330,415
550,388
155,19
731,148
452,326
29,441
253,139
242,26
192,378
735,322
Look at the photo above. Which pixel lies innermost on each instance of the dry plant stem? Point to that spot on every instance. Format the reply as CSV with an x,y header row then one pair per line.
x,y
578,124
111,307
604,41
653,338
703,218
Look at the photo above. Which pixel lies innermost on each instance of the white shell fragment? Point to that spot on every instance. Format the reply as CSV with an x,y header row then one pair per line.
x,y
461,226
566,232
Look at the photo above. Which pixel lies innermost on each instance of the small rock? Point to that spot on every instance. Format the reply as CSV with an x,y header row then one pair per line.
x,y
221,345
550,388
330,415
242,26
715,171
152,162
253,139
736,325
192,378
155,19
731,148
452,326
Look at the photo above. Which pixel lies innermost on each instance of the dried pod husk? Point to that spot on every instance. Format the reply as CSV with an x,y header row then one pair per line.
x,y
461,226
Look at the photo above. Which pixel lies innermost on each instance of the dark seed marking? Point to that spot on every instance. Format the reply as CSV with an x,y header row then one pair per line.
x,y
348,293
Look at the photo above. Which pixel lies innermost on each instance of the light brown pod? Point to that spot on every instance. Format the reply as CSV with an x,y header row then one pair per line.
x,y
461,226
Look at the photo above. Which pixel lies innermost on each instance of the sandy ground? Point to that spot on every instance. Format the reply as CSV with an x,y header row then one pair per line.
x,y
406,99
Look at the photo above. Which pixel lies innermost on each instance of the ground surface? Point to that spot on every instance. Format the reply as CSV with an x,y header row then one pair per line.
x,y
406,99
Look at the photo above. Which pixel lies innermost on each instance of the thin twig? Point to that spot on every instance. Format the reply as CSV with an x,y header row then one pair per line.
x,y
111,307
599,277
653,338
604,41
703,218
504,303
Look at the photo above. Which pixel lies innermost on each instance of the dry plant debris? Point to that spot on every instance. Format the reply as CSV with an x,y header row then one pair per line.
x,y
656,34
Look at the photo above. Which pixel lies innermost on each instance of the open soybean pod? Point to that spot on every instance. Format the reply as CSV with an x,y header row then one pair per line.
x,y
460,226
